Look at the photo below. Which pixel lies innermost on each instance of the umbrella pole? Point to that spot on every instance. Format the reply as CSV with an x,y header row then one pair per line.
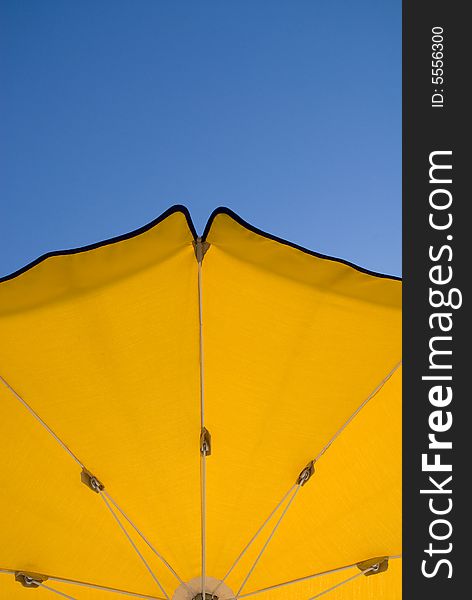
x,y
253,539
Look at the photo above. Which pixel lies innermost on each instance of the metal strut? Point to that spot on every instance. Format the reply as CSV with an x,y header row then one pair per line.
x,y
368,567
302,479
254,538
98,487
57,592
33,580
373,393
147,542
133,545
272,533
335,587
32,412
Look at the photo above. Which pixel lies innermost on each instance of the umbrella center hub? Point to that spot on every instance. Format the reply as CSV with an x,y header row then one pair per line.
x,y
215,589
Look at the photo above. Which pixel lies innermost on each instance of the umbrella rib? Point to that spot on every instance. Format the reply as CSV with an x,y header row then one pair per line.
x,y
57,592
254,537
93,586
341,583
267,542
106,589
201,357
358,410
147,542
293,581
41,421
135,548
301,579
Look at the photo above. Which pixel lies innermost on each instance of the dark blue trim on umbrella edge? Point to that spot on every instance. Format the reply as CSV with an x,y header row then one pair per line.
x,y
222,210
119,238
184,210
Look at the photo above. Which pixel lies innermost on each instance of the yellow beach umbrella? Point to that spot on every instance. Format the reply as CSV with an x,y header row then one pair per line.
x,y
199,418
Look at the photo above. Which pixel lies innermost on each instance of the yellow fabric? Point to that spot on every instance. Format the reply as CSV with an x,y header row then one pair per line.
x,y
104,346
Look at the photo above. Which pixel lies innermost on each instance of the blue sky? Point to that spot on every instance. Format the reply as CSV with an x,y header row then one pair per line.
x,y
288,112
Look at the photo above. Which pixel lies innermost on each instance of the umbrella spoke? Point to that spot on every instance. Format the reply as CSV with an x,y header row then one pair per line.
x,y
293,581
92,586
135,548
57,592
41,422
338,585
147,542
358,409
271,535
301,580
254,537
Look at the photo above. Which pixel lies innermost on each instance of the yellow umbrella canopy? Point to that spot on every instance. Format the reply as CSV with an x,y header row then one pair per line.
x,y
188,417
